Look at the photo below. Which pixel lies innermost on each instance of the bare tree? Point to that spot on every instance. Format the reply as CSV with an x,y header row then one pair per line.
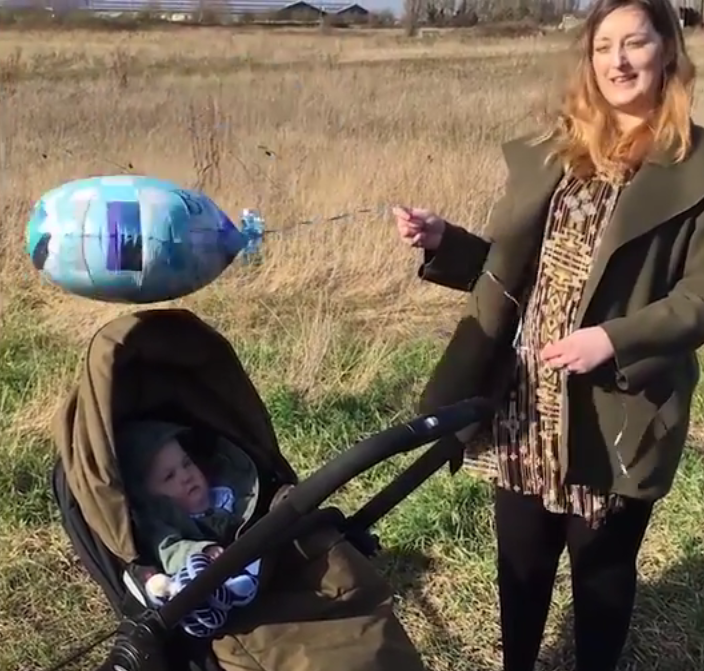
x,y
412,12
466,14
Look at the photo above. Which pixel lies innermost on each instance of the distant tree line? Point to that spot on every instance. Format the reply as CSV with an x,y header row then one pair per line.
x,y
471,12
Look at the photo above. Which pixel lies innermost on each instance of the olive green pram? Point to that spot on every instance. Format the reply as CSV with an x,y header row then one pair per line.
x,y
321,604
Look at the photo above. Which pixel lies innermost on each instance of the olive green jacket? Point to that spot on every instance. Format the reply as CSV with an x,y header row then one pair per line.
x,y
645,288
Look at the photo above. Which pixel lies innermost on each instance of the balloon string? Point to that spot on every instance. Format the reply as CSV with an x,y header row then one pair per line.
x,y
351,214
381,210
263,175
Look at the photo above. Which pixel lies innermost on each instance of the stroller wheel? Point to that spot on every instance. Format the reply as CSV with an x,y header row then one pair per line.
x,y
138,646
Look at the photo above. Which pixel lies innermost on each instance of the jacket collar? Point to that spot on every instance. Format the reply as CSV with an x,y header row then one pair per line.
x,y
657,194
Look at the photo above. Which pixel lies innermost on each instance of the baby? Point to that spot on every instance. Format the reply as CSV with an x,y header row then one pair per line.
x,y
177,512
174,475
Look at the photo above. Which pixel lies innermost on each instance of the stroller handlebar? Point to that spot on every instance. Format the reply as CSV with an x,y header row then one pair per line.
x,y
280,525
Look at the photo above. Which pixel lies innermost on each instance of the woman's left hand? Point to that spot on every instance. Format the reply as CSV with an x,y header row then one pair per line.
x,y
579,352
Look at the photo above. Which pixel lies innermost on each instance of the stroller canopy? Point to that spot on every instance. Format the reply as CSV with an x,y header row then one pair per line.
x,y
141,365
323,605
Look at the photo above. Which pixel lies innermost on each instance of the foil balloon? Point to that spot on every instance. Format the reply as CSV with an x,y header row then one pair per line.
x,y
134,239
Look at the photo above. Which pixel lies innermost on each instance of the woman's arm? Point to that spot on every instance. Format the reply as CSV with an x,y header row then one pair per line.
x,y
634,378
457,262
668,327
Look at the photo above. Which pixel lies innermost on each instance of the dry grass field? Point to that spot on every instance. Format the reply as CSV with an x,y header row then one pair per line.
x,y
334,327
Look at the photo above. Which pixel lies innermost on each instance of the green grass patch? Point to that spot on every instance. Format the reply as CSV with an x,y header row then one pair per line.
x,y
27,358
438,544
29,361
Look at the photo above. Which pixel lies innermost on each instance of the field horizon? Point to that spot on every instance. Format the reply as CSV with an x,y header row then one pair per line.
x,y
334,327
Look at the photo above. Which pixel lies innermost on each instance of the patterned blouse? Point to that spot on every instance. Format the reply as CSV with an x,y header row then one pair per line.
x,y
527,429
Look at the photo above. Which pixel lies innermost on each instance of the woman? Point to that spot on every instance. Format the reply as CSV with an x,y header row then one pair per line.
x,y
592,276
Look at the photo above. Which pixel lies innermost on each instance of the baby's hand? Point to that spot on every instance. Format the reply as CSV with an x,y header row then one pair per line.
x,y
213,551
159,586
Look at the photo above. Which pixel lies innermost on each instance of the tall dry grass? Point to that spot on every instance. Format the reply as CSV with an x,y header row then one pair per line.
x,y
299,126
303,126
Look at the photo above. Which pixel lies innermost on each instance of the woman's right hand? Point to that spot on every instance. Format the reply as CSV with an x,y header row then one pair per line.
x,y
419,228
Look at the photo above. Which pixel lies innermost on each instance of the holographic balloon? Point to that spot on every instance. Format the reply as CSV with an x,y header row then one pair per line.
x,y
134,239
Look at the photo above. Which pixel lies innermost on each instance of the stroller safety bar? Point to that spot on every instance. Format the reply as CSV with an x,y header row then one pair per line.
x,y
284,523
280,526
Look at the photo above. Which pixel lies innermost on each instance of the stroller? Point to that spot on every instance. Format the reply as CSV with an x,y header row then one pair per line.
x,y
321,603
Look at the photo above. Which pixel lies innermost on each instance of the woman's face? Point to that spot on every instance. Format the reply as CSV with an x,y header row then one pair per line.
x,y
627,57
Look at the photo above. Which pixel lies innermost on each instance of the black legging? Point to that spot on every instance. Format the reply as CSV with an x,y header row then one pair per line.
x,y
603,562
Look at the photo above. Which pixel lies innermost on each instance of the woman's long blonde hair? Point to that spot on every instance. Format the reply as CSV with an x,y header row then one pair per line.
x,y
586,138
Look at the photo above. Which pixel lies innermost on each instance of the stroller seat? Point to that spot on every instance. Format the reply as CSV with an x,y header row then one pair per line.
x,y
321,604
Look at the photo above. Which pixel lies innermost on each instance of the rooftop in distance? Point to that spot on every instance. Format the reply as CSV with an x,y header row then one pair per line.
x,y
187,6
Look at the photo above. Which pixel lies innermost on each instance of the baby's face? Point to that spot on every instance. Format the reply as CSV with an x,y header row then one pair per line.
x,y
174,475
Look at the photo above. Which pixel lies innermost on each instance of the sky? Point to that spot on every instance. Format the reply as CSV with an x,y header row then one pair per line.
x,y
396,6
